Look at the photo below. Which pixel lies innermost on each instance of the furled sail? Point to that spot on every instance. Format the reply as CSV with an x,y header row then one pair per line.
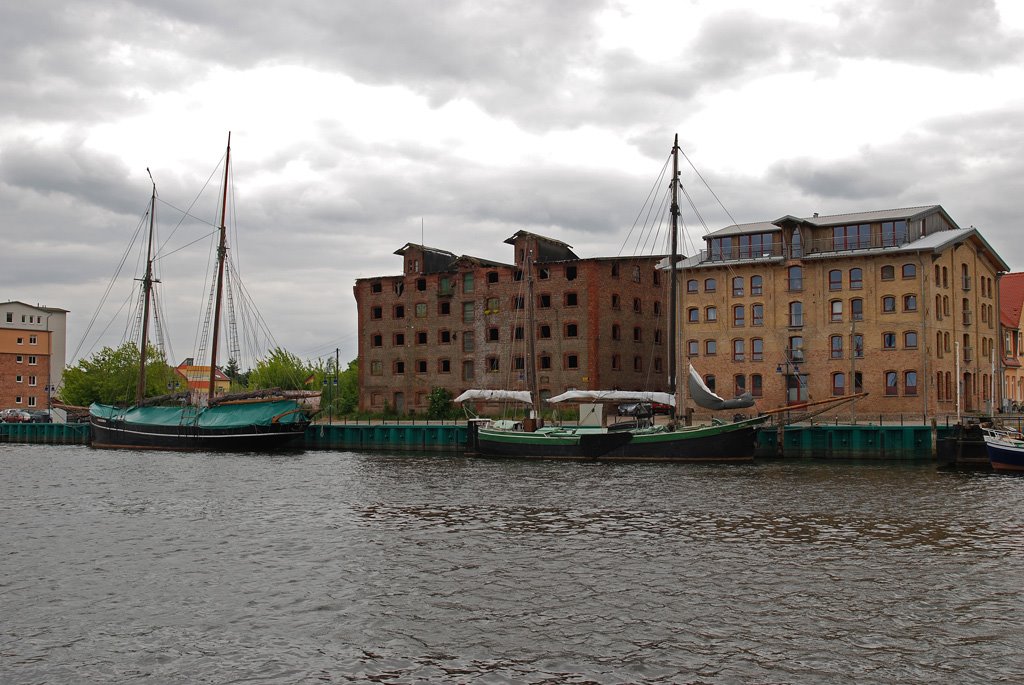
x,y
495,396
703,396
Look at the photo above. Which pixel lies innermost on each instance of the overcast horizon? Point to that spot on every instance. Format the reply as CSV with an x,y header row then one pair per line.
x,y
360,127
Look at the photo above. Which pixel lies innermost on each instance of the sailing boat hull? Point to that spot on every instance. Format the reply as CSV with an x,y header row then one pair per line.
x,y
246,428
721,443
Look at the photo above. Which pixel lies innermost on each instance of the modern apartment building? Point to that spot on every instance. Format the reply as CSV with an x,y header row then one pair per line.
x,y
902,304
32,354
458,322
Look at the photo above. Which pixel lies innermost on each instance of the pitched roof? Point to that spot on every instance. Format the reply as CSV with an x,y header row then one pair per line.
x,y
1011,299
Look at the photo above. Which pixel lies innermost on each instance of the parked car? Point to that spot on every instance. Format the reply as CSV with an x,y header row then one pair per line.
x,y
659,408
40,417
15,416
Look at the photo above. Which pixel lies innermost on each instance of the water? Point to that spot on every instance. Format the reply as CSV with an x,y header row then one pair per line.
x,y
334,567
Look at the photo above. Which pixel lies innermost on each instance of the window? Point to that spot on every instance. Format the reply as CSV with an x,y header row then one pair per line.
x,y
756,349
739,384
32,400
858,346
910,303
467,312
616,362
835,310
709,380
571,299
543,274
376,313
796,349
857,309
888,272
637,305
693,315
492,276
893,233
19,359
657,308
910,382
493,365
738,350
445,308
909,271
757,315
377,340
738,316
711,314
544,300
710,348
657,336
888,341
835,279
21,341
638,363
856,279
399,287
399,368
615,300
756,285
544,332
891,387
616,332
888,304
376,368
444,366
421,337
571,330
836,346
615,269
636,274
398,340
545,361
965,277
570,273
851,237
444,337
710,285
519,302
838,384
421,284
692,348
468,341
637,334
737,286
492,334
796,314
467,370
572,361
910,340
399,312
421,310
756,385
795,278
421,366
691,285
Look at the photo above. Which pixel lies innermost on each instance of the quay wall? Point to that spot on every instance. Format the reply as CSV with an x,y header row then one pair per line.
x,y
798,441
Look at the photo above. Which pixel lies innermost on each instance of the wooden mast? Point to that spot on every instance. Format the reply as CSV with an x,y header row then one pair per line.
x,y
674,284
147,290
222,250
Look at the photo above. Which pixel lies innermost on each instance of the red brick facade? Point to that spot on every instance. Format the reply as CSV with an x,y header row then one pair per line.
x,y
461,322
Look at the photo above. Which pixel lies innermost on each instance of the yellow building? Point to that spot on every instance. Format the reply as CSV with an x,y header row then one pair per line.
x,y
902,304
198,378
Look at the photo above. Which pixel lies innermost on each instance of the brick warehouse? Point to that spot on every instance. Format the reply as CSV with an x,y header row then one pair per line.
x,y
902,304
459,322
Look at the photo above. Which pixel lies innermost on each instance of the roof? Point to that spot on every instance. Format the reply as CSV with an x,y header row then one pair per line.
x,y
876,215
35,306
1011,298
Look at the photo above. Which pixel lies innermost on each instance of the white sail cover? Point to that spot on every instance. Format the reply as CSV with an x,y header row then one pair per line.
x,y
704,397
613,396
494,396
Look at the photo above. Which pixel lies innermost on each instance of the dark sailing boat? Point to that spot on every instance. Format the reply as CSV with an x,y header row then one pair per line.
x,y
641,440
256,421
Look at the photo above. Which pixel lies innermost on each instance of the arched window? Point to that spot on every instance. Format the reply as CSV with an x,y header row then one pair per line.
x,y
738,350
856,278
888,272
839,384
836,346
756,285
796,314
909,271
737,286
739,314
835,279
795,276
710,285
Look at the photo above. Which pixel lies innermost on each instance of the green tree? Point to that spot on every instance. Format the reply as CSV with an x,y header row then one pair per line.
x,y
111,375
439,404
281,369
340,399
238,379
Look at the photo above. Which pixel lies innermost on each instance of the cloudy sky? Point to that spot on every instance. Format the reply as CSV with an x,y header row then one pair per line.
x,y
360,126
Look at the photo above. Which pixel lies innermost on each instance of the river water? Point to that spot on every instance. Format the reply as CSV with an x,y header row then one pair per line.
x,y
336,567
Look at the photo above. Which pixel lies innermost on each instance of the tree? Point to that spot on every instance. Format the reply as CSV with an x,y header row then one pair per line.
x,y
440,404
238,379
111,375
281,369
340,399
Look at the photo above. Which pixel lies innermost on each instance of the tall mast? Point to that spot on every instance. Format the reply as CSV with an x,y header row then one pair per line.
x,y
222,250
673,280
531,353
147,296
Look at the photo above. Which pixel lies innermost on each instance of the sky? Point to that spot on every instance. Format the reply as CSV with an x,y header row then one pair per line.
x,y
358,127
